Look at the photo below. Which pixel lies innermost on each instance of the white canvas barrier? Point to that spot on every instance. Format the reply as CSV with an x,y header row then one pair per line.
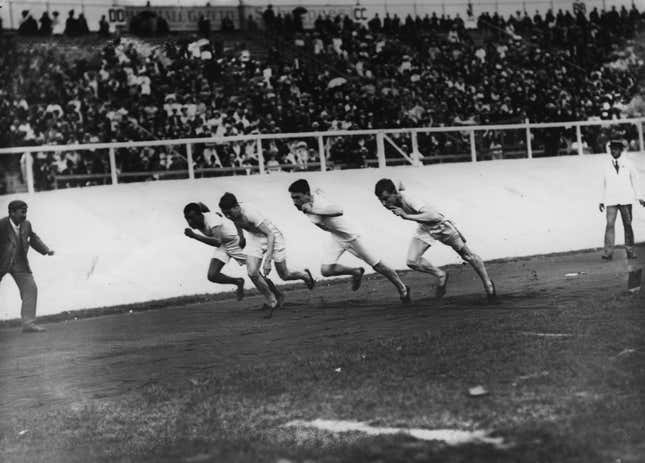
x,y
124,244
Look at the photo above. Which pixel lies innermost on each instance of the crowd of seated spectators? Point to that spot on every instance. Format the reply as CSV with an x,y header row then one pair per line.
x,y
428,71
387,73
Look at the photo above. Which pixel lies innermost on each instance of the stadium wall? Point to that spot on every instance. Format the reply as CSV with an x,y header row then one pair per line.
x,y
124,244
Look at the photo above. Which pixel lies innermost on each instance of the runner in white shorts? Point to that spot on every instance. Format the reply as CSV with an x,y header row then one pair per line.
x,y
221,233
433,226
265,240
344,237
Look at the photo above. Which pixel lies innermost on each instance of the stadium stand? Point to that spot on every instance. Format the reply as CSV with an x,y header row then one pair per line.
x,y
388,73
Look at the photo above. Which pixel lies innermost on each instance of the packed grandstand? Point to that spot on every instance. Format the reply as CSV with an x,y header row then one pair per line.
x,y
57,88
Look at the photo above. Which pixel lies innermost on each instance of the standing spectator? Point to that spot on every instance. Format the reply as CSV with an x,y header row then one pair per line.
x,y
71,25
374,24
227,24
251,25
619,191
16,236
58,28
104,27
45,25
28,25
298,13
269,18
204,26
81,24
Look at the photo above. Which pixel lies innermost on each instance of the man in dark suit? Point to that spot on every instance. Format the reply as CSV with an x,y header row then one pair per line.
x,y
16,236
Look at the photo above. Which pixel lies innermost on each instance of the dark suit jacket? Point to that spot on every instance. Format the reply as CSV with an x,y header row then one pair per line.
x,y
9,243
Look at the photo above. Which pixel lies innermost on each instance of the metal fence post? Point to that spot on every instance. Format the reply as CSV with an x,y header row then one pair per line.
x,y
322,154
415,143
113,172
380,149
189,159
260,156
529,145
641,145
579,140
473,148
29,171
11,25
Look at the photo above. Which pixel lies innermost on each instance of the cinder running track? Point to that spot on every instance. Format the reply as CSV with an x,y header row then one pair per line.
x,y
111,356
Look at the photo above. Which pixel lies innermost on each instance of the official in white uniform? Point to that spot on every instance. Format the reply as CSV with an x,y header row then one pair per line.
x,y
620,189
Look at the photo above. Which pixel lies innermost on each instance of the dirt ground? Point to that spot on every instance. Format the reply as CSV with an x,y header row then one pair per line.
x,y
116,357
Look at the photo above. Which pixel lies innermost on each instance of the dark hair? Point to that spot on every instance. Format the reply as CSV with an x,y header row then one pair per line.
x,y
199,208
385,184
616,144
300,186
228,201
17,205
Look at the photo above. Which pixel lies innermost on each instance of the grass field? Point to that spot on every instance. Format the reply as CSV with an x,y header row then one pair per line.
x,y
562,359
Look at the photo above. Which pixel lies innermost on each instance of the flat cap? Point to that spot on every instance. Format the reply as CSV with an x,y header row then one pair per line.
x,y
17,204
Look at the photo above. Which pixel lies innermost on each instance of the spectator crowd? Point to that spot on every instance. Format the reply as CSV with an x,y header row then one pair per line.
x,y
73,26
384,73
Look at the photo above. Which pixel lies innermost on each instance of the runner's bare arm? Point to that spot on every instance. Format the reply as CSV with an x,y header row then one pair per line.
x,y
422,217
270,246
204,239
324,211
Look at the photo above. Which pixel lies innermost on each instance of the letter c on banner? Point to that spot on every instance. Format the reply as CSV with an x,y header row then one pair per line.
x,y
116,15
360,13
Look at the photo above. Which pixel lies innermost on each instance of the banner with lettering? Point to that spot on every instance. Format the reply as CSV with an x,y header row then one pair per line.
x,y
313,11
186,18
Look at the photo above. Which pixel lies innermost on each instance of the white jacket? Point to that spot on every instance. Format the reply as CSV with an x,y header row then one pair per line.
x,y
620,187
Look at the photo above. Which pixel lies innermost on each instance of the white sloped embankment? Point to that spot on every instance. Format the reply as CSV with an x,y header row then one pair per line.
x,y
124,244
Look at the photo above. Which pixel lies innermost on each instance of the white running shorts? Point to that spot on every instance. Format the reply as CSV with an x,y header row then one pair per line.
x,y
228,251
256,246
336,248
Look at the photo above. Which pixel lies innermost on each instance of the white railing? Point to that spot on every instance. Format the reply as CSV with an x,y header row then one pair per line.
x,y
382,136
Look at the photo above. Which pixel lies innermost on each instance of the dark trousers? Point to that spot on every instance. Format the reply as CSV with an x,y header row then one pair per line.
x,y
28,293
610,235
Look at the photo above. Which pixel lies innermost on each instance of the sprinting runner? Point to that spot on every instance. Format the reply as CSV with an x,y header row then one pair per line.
x,y
265,240
344,237
432,226
219,232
